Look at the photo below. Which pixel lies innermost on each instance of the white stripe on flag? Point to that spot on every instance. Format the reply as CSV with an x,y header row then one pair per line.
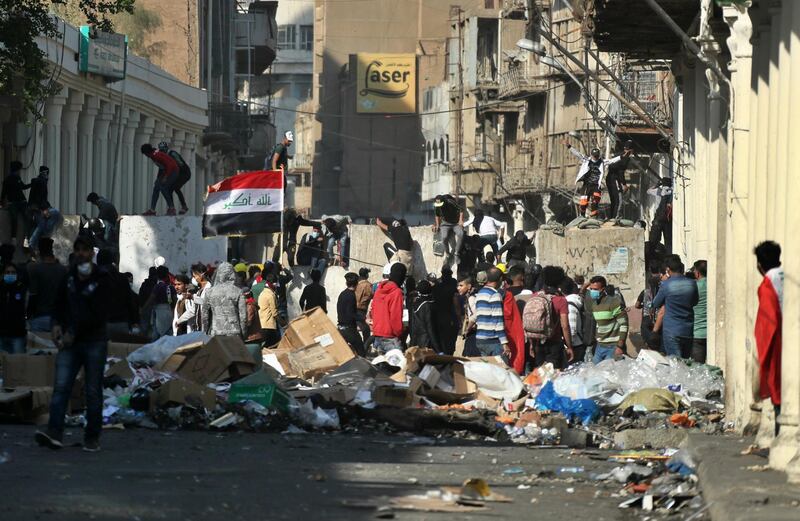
x,y
244,201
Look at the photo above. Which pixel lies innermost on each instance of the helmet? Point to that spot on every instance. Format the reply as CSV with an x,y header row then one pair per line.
x,y
163,146
595,151
96,225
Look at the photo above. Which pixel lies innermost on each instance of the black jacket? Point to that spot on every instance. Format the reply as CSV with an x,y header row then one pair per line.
x,y
423,331
12,309
13,187
37,198
82,306
124,304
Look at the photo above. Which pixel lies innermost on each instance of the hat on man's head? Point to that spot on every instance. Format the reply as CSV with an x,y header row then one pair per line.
x,y
387,269
481,278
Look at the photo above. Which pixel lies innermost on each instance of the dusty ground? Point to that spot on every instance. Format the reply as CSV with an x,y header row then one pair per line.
x,y
143,474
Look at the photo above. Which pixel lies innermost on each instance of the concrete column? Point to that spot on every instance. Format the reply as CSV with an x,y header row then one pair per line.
x,y
786,446
67,194
102,146
127,171
738,397
115,162
198,176
142,174
52,141
86,122
790,392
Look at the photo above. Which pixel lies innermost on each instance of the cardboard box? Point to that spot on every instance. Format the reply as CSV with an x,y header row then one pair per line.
x,y
121,349
40,341
29,370
278,359
311,360
223,358
314,327
260,387
391,396
122,369
430,375
29,404
338,394
182,392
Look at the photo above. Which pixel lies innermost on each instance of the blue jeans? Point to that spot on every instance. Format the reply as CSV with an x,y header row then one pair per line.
x,y
319,264
44,226
674,345
489,240
489,346
14,345
40,324
603,352
163,187
92,357
385,344
343,242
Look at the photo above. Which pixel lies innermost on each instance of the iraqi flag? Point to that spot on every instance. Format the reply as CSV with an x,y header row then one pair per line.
x,y
245,204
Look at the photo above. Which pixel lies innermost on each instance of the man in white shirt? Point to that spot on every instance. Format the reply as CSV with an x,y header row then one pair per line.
x,y
591,174
488,228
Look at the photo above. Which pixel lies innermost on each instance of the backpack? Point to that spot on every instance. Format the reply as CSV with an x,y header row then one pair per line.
x,y
539,317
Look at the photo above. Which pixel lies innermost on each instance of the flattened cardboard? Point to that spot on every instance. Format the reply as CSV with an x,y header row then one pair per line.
x,y
311,360
182,392
278,359
29,370
314,327
121,369
40,340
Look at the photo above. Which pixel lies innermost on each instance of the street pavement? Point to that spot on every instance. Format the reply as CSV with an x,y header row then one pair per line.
x,y
143,474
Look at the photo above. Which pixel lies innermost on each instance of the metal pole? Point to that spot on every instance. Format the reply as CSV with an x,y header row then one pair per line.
x,y
209,40
636,110
711,64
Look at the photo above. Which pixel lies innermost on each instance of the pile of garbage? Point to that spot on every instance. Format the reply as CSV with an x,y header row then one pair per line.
x,y
313,380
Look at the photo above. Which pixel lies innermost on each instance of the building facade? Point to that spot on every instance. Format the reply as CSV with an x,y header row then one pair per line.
x,y
735,128
92,131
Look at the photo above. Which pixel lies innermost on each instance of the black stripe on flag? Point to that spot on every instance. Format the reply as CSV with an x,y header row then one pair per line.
x,y
246,223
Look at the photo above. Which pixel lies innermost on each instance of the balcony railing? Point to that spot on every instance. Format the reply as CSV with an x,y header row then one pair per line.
x,y
518,82
650,92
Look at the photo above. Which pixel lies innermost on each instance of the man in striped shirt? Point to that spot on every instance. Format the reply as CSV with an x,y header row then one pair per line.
x,y
491,334
611,319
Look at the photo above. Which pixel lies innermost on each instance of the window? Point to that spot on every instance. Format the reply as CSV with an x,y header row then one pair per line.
x,y
287,37
306,37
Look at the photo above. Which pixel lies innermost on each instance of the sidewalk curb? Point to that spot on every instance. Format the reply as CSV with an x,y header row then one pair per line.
x,y
736,493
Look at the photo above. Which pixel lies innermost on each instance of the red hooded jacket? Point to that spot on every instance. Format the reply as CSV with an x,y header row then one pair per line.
x,y
166,164
387,310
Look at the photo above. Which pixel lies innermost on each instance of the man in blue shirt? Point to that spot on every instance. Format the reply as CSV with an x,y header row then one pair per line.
x,y
678,295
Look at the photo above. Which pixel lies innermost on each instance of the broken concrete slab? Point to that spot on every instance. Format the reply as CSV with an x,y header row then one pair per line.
x,y
649,438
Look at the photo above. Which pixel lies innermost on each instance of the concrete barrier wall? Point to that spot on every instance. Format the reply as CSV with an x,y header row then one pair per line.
x,y
178,239
616,253
63,237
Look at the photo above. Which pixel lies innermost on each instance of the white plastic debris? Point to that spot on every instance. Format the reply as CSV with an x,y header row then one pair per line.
x,y
493,380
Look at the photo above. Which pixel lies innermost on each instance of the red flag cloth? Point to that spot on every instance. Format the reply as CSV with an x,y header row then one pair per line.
x,y
514,332
768,334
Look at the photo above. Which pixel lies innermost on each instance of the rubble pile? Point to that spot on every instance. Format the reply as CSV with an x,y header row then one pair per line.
x,y
313,380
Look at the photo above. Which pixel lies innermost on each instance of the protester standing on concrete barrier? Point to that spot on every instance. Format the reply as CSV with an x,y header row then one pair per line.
x,y
224,310
401,235
165,180
346,313
591,175
678,295
700,313
490,337
79,332
387,311
449,224
314,294
611,320
13,331
363,298
46,220
769,322
662,220
184,174
615,181
38,200
44,279
13,198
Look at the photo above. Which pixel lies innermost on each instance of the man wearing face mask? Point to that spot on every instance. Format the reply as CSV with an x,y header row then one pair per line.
x,y
591,175
611,318
79,331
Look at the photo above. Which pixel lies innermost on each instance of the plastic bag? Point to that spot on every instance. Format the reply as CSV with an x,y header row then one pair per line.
x,y
316,417
156,352
584,410
494,380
